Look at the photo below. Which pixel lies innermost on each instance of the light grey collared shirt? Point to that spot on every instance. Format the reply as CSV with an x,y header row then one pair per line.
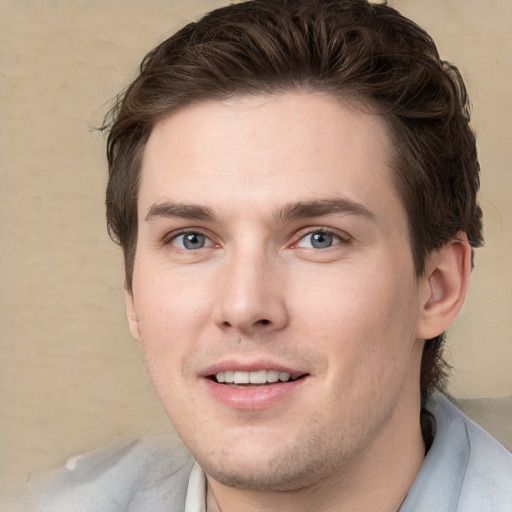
x,y
465,470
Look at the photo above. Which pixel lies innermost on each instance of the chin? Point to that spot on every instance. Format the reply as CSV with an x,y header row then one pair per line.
x,y
257,478
281,467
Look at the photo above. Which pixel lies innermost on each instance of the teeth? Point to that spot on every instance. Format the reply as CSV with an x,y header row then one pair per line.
x,y
241,378
272,376
258,377
284,376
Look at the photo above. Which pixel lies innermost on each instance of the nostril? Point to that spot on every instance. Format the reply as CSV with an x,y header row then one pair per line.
x,y
264,321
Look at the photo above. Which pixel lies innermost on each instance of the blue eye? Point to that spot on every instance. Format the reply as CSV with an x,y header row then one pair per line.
x,y
191,241
319,240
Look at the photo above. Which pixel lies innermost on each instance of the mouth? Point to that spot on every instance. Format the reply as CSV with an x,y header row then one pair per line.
x,y
258,378
252,385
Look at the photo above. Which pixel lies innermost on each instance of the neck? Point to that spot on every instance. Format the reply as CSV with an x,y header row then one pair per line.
x,y
377,479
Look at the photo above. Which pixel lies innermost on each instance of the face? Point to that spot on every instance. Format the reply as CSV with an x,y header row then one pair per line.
x,y
274,293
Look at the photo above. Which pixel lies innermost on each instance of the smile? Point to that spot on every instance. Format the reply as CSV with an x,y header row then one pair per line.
x,y
259,377
253,384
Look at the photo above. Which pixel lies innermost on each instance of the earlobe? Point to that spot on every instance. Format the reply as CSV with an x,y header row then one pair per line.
x,y
444,287
131,313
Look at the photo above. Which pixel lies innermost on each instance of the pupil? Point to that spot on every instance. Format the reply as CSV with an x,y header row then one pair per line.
x,y
193,241
321,240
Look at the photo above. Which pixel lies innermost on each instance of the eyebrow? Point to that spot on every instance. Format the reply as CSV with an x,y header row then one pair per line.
x,y
184,211
286,213
322,207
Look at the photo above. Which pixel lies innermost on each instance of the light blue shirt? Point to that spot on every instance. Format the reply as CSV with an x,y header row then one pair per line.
x,y
465,470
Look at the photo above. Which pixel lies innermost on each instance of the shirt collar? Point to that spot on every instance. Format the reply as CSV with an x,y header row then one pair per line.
x,y
439,483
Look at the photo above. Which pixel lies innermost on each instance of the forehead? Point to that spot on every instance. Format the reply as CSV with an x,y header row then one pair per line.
x,y
268,150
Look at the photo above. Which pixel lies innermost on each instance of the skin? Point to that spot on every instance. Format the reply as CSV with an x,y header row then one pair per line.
x,y
350,316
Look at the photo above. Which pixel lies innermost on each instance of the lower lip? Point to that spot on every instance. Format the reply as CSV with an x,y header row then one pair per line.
x,y
256,398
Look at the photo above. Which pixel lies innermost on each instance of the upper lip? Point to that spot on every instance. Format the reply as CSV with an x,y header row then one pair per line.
x,y
251,366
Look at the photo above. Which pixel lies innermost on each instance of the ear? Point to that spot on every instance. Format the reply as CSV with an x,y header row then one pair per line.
x,y
133,320
444,286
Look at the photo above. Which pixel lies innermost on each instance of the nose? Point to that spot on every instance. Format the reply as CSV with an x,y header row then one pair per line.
x,y
252,294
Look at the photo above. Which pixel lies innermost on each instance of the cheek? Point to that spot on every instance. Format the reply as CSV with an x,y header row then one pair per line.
x,y
363,318
169,325
355,300
170,305
170,320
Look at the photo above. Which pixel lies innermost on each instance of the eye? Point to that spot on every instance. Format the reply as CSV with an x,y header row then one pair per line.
x,y
319,240
191,241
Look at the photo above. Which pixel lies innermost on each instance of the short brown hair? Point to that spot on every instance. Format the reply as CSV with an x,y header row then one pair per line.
x,y
350,49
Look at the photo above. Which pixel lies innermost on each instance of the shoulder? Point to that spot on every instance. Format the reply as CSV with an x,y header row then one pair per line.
x,y
465,470
143,474
488,476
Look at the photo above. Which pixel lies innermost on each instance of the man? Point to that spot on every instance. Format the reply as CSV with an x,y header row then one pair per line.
x,y
293,184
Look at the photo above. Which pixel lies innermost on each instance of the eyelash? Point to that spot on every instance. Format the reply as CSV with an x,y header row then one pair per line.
x,y
343,238
169,239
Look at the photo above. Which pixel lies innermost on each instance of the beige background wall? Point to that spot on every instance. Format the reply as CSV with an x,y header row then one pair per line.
x,y
71,377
